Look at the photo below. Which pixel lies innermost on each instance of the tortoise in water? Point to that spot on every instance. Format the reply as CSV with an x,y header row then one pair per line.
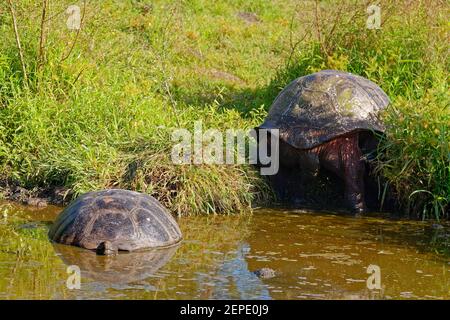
x,y
112,220
329,120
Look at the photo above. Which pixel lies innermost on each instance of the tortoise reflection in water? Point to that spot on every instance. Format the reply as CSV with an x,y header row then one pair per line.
x,y
123,268
112,220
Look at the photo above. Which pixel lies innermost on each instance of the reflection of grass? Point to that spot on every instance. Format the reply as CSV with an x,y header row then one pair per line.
x,y
20,241
31,270
440,243
212,234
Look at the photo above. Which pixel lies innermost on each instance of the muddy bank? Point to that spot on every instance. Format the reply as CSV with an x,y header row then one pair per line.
x,y
322,196
37,197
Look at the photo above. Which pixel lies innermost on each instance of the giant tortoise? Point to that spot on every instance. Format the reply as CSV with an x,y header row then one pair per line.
x,y
329,119
112,220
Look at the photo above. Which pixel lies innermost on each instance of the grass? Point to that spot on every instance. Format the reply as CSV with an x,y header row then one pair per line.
x,y
416,154
109,108
99,105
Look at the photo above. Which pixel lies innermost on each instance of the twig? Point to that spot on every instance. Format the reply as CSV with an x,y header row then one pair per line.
x,y
318,28
293,46
42,38
78,76
56,14
336,22
19,47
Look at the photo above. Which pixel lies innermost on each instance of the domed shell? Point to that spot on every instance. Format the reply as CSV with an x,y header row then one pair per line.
x,y
318,107
128,219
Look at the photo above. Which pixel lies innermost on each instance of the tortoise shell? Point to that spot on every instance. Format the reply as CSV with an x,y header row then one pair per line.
x,y
128,219
321,106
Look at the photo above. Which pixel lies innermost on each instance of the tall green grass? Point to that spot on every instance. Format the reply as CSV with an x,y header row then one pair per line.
x,y
415,154
100,112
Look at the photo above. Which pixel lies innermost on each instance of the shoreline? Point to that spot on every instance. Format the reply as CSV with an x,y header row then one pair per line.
x,y
37,197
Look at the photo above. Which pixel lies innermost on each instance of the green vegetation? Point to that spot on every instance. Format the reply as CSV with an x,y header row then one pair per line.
x,y
416,156
97,107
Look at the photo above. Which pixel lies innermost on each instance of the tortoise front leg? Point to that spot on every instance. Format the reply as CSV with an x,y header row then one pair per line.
x,y
353,167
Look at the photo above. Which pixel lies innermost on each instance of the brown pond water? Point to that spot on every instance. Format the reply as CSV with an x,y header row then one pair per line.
x,y
315,255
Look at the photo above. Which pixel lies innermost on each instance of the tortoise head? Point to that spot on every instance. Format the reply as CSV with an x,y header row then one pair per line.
x,y
368,143
106,248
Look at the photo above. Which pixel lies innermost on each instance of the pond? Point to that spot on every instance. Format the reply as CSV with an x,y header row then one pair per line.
x,y
315,255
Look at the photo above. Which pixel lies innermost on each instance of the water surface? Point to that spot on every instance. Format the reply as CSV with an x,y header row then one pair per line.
x,y
315,256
